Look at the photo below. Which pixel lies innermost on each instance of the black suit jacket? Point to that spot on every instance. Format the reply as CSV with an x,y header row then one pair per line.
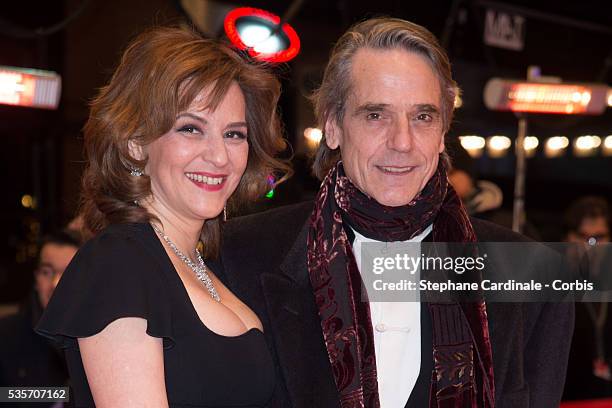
x,y
263,259
27,359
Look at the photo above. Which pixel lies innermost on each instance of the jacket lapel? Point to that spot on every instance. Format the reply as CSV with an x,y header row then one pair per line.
x,y
296,330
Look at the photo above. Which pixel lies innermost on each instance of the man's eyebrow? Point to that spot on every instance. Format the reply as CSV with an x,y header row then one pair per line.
x,y
370,107
192,116
426,107
377,107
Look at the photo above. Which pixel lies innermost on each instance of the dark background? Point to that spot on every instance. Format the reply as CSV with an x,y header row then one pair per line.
x,y
40,152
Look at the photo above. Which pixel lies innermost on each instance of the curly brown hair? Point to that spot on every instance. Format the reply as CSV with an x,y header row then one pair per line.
x,y
160,74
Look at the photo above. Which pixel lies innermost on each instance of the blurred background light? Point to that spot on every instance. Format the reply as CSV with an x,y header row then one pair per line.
x,y
271,181
473,144
260,38
27,201
530,145
29,87
262,34
607,146
511,95
586,145
555,146
458,101
497,146
313,137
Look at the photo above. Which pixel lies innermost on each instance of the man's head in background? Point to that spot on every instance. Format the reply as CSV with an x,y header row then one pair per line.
x,y
462,174
56,252
588,220
478,196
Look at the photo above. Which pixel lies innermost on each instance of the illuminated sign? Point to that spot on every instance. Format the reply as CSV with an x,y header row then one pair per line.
x,y
504,30
29,87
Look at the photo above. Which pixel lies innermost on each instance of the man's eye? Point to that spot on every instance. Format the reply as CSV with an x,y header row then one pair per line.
x,y
234,134
424,117
374,116
46,271
189,129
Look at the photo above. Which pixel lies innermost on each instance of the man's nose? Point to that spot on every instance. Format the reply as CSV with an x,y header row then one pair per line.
x,y
402,137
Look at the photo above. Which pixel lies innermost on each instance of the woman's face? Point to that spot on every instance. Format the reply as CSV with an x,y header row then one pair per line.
x,y
196,166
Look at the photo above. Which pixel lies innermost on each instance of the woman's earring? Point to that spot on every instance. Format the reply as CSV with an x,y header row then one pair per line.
x,y
136,172
224,213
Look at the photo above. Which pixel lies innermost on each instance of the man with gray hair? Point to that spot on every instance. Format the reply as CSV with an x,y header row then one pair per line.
x,y
385,104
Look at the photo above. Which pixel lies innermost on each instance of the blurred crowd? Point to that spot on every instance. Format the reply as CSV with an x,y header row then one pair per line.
x,y
586,222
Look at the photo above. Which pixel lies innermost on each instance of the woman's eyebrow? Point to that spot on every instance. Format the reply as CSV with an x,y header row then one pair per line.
x,y
192,116
237,124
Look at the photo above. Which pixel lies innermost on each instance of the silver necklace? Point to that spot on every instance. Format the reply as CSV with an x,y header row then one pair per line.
x,y
199,269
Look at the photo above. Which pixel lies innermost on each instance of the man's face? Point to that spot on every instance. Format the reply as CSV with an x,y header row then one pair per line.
x,y
54,259
392,131
461,182
591,227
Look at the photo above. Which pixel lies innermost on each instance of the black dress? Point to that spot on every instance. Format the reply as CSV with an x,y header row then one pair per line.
x,y
125,272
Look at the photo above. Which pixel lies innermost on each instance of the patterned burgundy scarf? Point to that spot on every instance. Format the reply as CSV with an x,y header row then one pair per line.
x,y
463,368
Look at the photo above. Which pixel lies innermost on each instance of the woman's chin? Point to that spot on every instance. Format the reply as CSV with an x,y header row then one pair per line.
x,y
209,214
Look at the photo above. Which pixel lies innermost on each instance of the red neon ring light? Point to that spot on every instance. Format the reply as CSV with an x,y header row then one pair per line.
x,y
234,37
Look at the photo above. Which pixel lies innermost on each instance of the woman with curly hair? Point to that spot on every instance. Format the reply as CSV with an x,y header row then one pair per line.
x,y
185,127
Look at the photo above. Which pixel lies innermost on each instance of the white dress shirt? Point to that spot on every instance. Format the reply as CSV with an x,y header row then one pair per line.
x,y
397,340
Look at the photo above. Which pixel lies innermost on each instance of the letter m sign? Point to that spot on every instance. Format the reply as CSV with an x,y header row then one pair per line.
x,y
504,30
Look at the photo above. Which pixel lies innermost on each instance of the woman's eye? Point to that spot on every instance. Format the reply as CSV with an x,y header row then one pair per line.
x,y
235,134
189,129
374,116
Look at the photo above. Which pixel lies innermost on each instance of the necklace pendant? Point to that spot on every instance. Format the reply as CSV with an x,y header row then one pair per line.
x,y
200,269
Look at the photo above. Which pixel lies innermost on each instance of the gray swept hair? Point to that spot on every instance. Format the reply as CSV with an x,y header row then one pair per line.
x,y
330,98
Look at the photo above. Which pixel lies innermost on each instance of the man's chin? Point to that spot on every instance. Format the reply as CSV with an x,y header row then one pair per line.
x,y
397,199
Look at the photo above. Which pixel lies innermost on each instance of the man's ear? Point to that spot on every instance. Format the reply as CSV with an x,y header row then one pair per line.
x,y
333,134
136,150
442,146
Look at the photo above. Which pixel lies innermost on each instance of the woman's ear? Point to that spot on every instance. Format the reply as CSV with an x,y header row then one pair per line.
x,y
136,150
